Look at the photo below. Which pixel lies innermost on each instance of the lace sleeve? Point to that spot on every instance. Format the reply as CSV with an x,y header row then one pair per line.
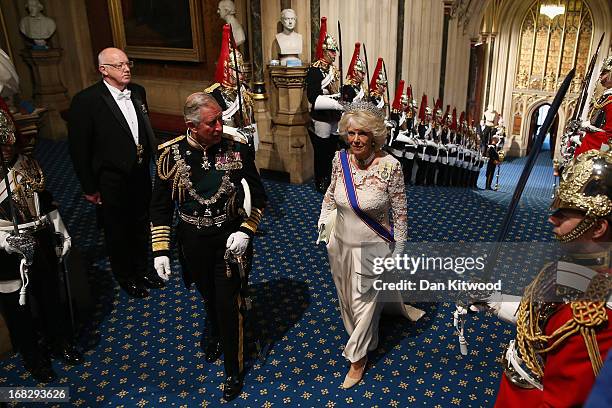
x,y
329,201
397,198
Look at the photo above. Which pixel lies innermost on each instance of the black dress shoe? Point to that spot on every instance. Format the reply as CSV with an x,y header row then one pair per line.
x,y
69,354
134,290
40,368
232,387
152,282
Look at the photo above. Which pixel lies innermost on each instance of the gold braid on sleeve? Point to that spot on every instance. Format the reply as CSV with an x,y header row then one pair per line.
x,y
160,238
587,316
253,221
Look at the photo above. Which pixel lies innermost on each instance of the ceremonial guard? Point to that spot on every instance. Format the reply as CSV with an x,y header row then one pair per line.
x,y
493,161
238,110
378,87
354,90
422,133
563,330
211,178
443,141
322,90
402,144
33,244
452,150
599,128
432,141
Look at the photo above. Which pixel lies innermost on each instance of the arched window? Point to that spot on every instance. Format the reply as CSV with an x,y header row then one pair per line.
x,y
550,47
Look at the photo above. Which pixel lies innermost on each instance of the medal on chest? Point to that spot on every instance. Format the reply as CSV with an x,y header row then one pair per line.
x,y
228,160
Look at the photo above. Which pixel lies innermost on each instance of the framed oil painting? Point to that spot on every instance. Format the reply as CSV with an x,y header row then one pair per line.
x,y
158,29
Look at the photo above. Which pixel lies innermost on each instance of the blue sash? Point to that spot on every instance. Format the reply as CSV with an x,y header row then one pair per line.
x,y
352,197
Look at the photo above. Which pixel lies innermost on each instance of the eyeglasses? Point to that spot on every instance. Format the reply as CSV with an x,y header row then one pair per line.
x,y
121,65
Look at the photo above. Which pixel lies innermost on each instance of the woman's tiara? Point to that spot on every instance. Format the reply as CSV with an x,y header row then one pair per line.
x,y
363,106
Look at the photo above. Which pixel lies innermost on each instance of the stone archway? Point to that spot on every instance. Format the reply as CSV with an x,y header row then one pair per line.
x,y
517,104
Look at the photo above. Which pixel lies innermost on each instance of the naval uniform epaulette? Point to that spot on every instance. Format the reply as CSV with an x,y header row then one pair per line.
x,y
170,142
211,88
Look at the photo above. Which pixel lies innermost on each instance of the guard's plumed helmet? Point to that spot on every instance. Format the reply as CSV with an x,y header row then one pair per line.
x,y
7,129
586,185
326,41
356,66
230,62
607,64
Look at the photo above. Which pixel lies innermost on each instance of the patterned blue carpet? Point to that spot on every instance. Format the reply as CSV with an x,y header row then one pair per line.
x,y
145,352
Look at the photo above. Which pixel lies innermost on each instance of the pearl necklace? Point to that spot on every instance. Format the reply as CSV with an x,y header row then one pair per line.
x,y
365,162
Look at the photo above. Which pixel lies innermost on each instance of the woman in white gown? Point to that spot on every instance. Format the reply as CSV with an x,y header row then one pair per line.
x,y
380,193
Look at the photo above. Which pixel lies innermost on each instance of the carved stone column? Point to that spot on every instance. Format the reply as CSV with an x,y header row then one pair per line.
x,y
289,149
49,91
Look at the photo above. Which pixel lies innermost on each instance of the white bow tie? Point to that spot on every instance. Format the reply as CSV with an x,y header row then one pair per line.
x,y
124,95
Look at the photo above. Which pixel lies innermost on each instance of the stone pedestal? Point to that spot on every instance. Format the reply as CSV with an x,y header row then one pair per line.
x,y
289,148
49,91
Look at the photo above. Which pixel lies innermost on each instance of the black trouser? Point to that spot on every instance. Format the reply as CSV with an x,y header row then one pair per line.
x,y
202,257
44,288
490,172
125,210
431,173
324,150
407,169
421,174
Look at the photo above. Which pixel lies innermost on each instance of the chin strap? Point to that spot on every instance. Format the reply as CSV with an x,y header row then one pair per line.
x,y
579,230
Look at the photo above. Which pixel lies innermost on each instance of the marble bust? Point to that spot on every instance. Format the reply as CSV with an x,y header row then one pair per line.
x,y
227,11
36,26
289,42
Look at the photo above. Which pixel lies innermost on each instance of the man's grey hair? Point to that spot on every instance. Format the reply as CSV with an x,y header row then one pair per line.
x,y
195,102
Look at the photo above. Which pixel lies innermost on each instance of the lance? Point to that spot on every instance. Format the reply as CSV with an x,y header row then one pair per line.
x,y
340,62
584,90
365,55
387,80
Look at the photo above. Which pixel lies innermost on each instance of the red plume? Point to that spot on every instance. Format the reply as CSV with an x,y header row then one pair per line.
x,y
454,124
446,113
351,69
422,108
397,102
223,55
377,70
409,93
322,34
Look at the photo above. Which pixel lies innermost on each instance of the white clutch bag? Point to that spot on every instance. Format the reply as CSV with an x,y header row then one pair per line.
x,y
326,230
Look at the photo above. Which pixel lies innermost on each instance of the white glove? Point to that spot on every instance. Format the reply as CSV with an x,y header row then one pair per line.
x,y
576,139
3,244
504,306
325,102
162,267
58,226
586,125
237,243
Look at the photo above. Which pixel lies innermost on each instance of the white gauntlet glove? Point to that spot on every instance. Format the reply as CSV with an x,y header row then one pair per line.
x,y
58,226
589,127
325,102
237,243
162,267
504,306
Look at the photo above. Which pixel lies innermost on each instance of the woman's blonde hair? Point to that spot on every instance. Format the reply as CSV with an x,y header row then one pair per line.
x,y
367,121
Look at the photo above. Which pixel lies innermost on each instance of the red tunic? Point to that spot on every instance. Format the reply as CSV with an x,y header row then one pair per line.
x,y
568,374
594,140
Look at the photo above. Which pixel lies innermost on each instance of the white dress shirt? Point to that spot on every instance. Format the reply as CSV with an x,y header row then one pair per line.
x,y
123,100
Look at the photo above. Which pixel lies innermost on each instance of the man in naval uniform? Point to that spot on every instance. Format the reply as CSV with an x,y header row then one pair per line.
x,y
31,267
492,163
209,176
229,72
322,90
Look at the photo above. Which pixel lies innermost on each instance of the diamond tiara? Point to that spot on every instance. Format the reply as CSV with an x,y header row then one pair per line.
x,y
363,106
